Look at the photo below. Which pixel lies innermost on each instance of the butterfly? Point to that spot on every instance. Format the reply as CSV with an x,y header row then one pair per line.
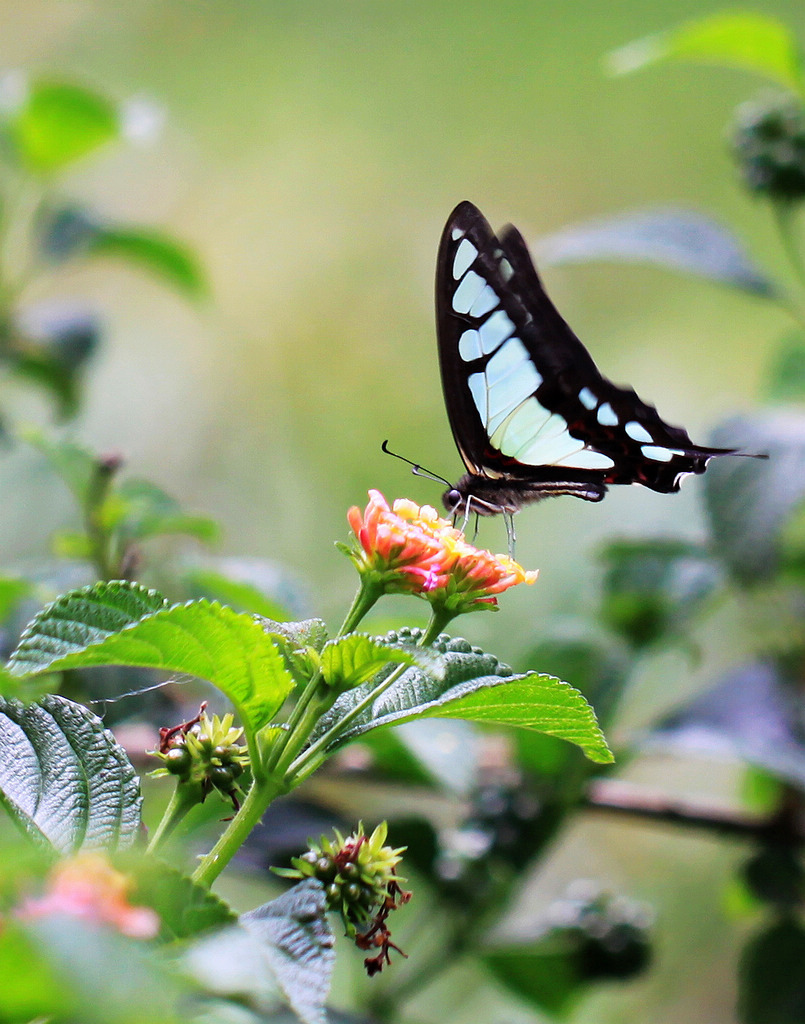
x,y
530,412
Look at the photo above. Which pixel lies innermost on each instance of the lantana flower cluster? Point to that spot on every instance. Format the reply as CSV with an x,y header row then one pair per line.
x,y
408,548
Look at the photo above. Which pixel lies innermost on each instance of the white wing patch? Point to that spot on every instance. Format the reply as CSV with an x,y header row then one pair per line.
x,y
638,432
464,258
607,416
468,290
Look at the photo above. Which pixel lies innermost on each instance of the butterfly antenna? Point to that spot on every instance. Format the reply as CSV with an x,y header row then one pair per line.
x,y
417,469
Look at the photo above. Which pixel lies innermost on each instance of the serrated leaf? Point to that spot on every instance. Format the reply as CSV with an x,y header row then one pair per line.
x,y
122,623
474,686
754,42
750,501
670,237
154,251
59,123
351,660
298,944
64,778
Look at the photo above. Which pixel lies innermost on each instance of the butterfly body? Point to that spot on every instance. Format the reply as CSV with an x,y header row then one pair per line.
x,y
531,414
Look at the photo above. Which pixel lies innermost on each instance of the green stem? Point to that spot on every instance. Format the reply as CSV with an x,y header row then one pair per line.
x,y
184,799
369,592
253,808
310,759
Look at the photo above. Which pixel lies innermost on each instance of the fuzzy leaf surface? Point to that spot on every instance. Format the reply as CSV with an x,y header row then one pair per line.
x,y
477,687
123,623
297,942
64,778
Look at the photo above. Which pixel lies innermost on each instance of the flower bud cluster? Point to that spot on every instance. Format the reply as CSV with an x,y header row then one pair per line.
x,y
359,875
768,144
206,753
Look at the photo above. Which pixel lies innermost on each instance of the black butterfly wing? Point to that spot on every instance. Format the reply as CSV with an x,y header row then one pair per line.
x,y
524,398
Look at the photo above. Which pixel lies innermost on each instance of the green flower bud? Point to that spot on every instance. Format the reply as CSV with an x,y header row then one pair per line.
x,y
768,144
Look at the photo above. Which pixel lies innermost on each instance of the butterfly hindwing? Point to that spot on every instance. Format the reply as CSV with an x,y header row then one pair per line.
x,y
524,398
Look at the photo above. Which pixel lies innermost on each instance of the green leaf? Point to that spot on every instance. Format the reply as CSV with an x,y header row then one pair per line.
x,y
477,687
654,590
76,465
64,778
673,238
785,381
241,594
750,501
108,977
754,42
297,942
148,511
60,123
31,986
547,979
154,251
351,660
185,908
122,623
12,591
771,980
258,585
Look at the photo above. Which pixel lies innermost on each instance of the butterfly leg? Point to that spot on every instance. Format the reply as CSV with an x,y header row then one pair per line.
x,y
508,519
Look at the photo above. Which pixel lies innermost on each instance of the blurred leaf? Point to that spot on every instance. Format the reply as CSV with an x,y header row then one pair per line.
x,y
147,511
67,335
12,591
298,944
448,751
185,909
66,232
232,964
475,687
154,251
749,501
42,369
751,714
786,377
775,875
770,977
109,978
243,596
546,979
673,238
257,585
654,589
122,623
59,123
31,986
75,464
754,42
64,778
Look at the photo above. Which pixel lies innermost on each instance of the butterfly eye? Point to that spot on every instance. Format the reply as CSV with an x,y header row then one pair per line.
x,y
453,499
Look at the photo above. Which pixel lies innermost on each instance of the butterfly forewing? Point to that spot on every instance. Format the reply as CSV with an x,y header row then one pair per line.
x,y
524,398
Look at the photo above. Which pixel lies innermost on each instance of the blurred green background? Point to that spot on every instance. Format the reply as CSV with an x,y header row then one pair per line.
x,y
311,152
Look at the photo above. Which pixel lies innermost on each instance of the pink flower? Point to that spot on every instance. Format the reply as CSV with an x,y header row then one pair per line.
x,y
88,887
413,549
